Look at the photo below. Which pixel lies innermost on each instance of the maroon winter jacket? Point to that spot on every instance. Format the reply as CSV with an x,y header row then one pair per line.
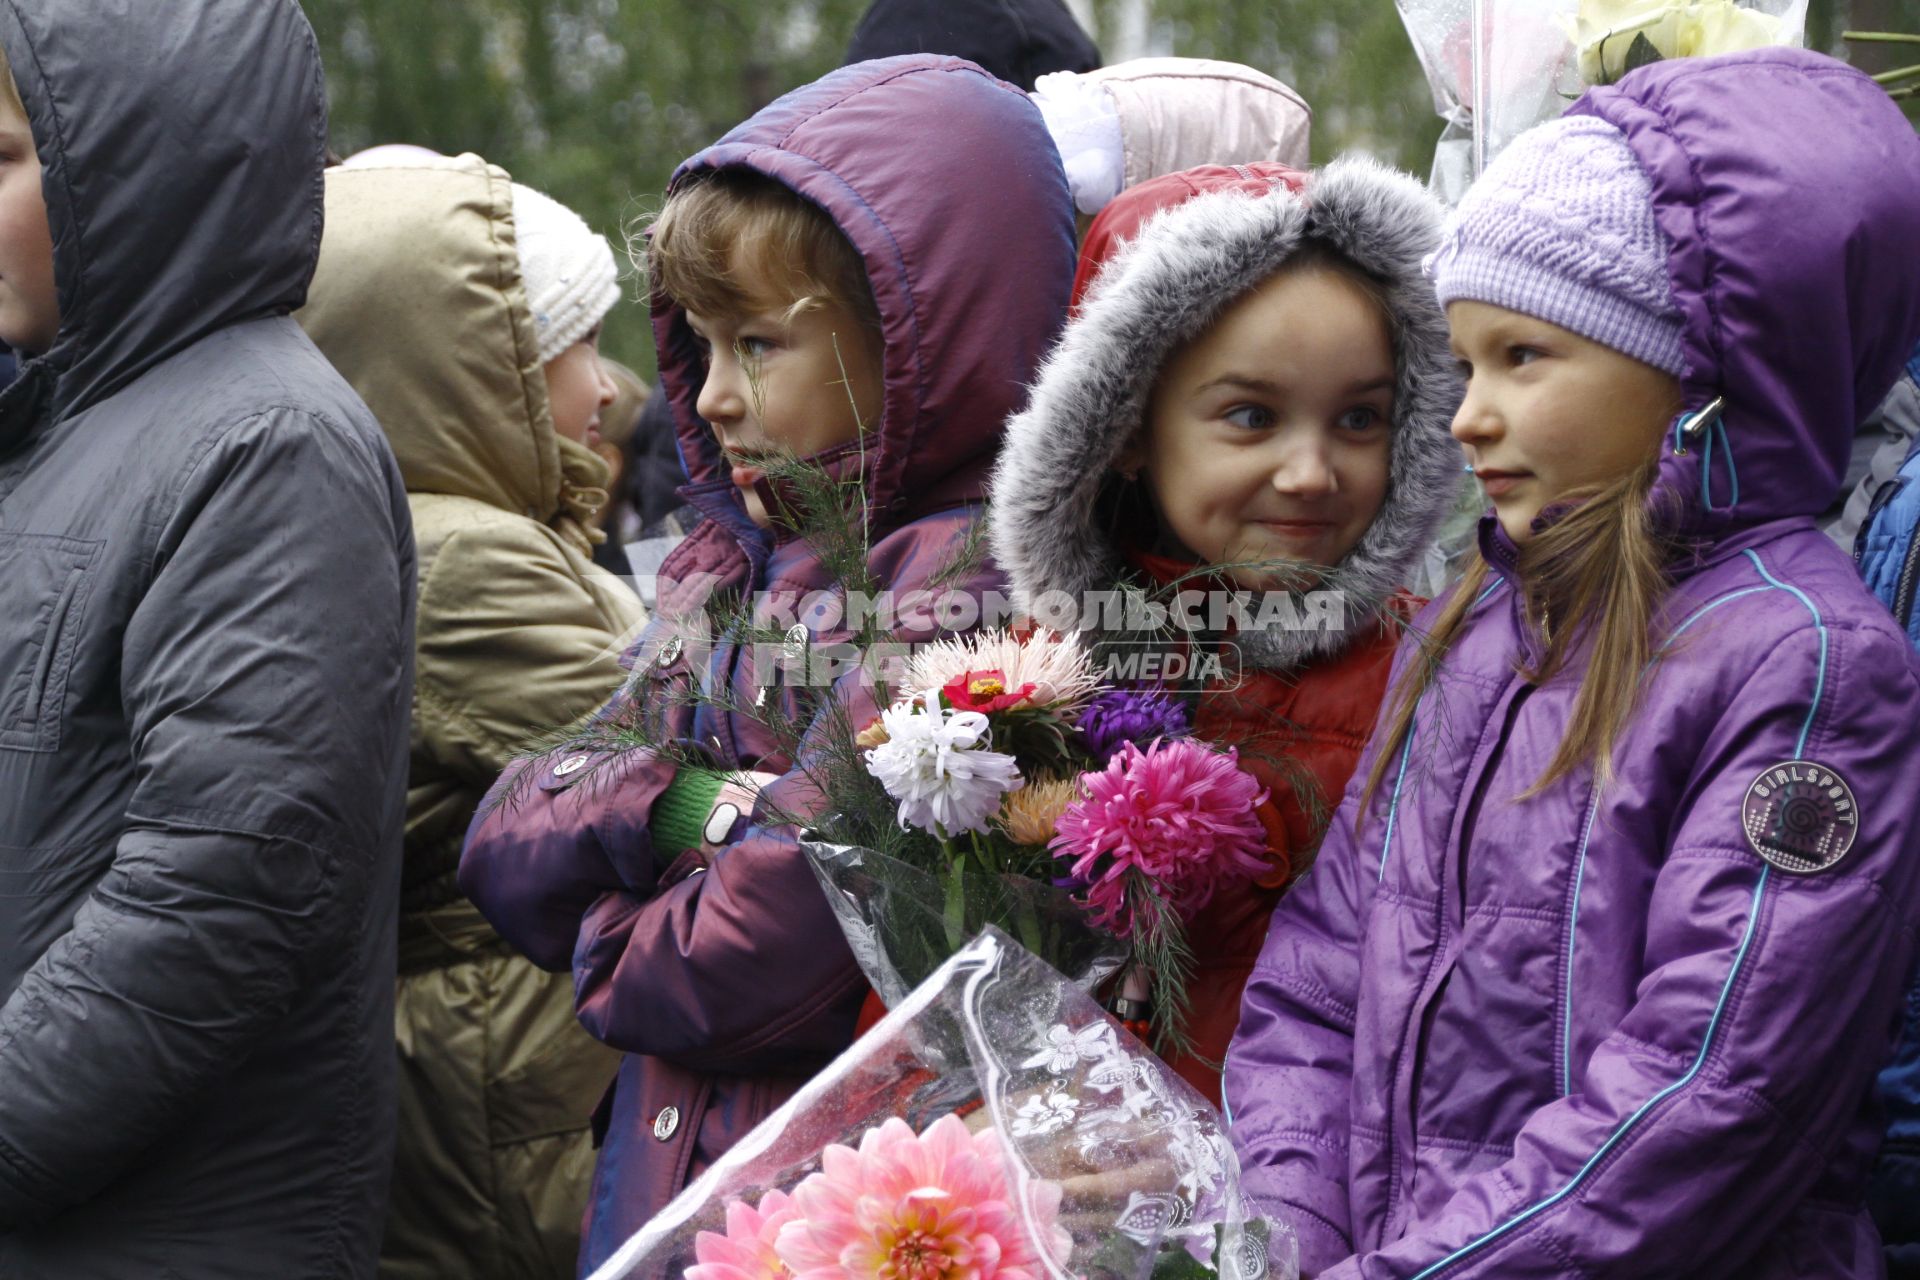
x,y
726,980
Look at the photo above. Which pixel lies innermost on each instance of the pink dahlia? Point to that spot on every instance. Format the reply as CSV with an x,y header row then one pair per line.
x,y
1179,813
927,1206
746,1251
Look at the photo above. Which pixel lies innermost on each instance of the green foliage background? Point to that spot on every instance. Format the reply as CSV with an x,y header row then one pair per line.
x,y
596,101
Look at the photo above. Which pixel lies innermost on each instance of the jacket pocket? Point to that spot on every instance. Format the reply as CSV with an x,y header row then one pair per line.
x,y
548,1074
46,587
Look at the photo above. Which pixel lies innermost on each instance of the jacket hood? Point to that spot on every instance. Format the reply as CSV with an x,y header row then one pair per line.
x,y
1017,40
1176,113
970,273
1231,229
418,303
181,147
1788,185
1124,216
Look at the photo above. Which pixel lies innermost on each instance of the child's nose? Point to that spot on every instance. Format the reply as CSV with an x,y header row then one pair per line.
x,y
1305,469
1475,422
719,400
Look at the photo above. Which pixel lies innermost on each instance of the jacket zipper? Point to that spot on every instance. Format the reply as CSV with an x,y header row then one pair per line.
x,y
1485,780
1452,924
1909,577
43,668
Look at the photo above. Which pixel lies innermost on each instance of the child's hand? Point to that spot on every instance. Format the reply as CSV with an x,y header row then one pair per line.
x,y
737,797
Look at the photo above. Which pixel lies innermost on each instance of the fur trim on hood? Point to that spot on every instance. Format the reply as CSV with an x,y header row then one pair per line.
x,y
1166,288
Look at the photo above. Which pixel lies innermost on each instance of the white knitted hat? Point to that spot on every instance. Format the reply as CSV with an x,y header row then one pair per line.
x,y
566,270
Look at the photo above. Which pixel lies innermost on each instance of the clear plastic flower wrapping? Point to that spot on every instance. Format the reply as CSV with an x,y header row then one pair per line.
x,y
1523,68
902,922
1103,1146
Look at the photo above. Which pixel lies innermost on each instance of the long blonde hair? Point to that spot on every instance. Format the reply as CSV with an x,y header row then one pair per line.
x,y
1592,580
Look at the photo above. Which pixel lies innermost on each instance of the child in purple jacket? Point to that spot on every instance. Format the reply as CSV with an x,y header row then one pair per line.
x,y
864,274
1598,963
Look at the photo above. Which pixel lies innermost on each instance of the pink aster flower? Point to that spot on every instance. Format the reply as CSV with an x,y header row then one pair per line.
x,y
927,1206
746,1251
1179,813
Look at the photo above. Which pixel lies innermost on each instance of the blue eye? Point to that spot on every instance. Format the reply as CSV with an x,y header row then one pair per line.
x,y
1361,418
1252,417
752,348
1519,354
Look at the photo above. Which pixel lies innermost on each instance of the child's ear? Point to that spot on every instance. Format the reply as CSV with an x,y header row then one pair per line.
x,y
1130,459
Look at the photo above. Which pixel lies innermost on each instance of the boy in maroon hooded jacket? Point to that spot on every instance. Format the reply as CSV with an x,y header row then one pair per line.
x,y
699,940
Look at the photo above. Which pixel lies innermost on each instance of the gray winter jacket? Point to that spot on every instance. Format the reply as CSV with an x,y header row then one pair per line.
x,y
206,587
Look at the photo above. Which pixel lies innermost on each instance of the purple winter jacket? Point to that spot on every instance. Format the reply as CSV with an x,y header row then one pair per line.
x,y
727,982
1600,1035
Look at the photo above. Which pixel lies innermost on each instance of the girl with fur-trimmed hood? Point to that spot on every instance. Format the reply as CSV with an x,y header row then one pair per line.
x,y
1257,380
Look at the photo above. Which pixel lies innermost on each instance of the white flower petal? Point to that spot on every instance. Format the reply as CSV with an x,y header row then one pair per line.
x,y
1059,667
933,764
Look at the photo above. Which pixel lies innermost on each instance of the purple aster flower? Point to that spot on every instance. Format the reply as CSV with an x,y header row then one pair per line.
x,y
1120,716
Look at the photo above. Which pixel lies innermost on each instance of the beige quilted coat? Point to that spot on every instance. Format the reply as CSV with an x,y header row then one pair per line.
x,y
418,301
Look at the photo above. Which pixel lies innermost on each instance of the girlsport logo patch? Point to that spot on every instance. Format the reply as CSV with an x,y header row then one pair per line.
x,y
1800,816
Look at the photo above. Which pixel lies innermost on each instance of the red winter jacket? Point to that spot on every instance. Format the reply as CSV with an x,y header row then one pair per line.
x,y
1300,733
1159,264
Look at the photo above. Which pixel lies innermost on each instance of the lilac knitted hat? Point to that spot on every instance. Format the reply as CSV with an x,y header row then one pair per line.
x,y
1561,227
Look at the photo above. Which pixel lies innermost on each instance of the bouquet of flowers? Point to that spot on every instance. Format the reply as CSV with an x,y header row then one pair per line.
x,y
1003,781
996,1125
1034,796
1496,69
1612,37
1499,67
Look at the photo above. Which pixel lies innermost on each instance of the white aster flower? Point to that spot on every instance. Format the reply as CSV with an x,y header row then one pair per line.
x,y
935,763
1058,667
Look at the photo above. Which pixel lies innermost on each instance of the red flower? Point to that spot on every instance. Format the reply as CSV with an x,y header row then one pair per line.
x,y
984,691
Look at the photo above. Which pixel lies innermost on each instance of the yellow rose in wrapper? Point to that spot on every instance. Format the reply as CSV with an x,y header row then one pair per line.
x,y
1615,36
1728,28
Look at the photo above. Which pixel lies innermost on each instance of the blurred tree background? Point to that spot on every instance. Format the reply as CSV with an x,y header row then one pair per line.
x,y
596,101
